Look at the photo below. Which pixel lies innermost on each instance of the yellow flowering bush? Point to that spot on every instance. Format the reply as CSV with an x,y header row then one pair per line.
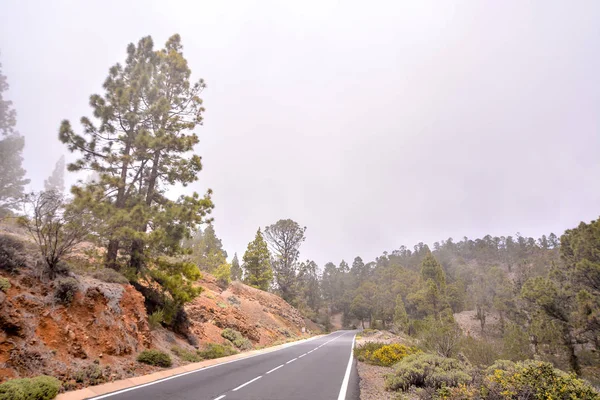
x,y
534,380
382,354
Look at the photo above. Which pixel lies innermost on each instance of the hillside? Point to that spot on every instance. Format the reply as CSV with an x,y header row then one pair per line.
x,y
96,337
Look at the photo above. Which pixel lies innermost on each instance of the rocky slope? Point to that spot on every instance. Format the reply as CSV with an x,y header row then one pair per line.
x,y
97,336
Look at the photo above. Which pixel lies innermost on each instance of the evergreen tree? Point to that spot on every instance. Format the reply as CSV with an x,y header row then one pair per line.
x,y
580,251
431,269
285,237
12,174
236,269
358,270
257,263
359,308
223,275
207,249
56,181
140,147
308,281
400,315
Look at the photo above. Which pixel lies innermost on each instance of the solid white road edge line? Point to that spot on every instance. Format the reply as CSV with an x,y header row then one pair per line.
x,y
275,369
197,370
247,383
344,388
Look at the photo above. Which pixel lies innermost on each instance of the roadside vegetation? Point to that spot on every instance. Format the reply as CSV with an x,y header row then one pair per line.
x,y
497,317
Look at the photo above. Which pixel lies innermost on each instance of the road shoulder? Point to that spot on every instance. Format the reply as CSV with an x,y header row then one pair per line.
x,y
130,383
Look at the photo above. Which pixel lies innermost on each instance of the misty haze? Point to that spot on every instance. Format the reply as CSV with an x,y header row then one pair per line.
x,y
416,181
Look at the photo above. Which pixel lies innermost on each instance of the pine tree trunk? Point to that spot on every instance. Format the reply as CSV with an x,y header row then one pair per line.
x,y
113,244
136,259
568,342
111,254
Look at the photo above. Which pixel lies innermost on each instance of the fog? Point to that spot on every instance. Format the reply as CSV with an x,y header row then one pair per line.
x,y
372,124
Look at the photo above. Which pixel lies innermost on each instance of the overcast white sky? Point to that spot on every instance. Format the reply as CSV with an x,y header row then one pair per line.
x,y
374,124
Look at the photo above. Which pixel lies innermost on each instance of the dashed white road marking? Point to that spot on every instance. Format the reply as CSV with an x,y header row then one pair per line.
x,y
292,360
285,346
302,355
344,388
275,369
247,383
220,397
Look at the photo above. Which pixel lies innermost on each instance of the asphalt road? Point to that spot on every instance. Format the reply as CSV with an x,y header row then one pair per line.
x,y
321,368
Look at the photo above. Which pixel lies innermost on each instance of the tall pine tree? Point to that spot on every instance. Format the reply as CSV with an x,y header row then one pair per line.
x,y
56,181
257,263
236,269
141,146
12,174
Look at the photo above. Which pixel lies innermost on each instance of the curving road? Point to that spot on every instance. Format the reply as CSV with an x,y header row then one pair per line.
x,y
321,368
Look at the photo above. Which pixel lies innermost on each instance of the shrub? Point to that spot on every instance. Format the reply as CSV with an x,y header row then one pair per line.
x,y
39,388
223,275
65,289
236,338
156,318
92,375
56,228
234,301
155,357
364,351
481,353
390,354
215,350
382,354
110,275
441,337
186,355
461,392
516,346
428,371
242,344
4,284
534,380
11,258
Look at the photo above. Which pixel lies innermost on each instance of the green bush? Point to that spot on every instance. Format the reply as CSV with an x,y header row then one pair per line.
x,y
223,275
186,355
156,318
11,258
65,289
363,351
4,284
39,388
110,275
481,353
236,338
215,350
92,375
428,371
155,357
516,346
382,354
534,380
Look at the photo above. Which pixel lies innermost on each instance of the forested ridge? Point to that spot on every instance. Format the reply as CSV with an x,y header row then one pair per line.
x,y
531,298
